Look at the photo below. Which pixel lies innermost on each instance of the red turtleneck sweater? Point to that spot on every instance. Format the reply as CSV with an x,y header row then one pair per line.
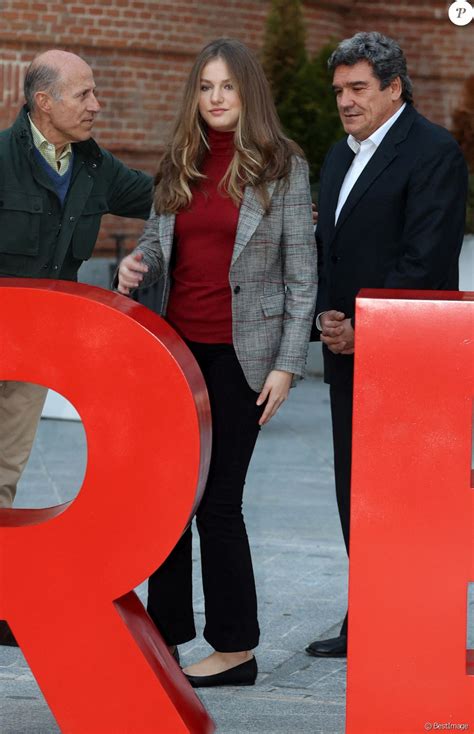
x,y
199,305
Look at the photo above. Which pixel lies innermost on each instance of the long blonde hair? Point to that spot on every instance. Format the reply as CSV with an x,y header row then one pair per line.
x,y
262,152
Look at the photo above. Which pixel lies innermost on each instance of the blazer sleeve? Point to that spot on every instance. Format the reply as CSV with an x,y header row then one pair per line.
x,y
434,220
299,263
149,246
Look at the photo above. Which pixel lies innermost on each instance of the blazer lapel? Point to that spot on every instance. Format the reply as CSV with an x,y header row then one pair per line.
x,y
250,215
382,157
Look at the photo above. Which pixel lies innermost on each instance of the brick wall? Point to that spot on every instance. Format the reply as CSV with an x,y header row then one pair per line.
x,y
141,50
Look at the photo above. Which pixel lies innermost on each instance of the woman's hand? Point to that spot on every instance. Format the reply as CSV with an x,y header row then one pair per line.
x,y
130,273
275,392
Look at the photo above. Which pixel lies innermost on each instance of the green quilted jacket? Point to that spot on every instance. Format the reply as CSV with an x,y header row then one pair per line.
x,y
39,238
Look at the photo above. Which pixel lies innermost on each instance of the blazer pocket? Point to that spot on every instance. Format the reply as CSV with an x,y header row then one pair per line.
x,y
273,305
20,219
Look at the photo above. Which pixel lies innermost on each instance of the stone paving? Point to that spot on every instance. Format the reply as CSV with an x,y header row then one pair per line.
x,y
299,562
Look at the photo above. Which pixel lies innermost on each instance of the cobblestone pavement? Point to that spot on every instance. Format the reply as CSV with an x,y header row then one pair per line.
x,y
300,566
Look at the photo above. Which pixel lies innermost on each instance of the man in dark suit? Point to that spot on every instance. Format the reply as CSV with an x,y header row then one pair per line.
x,y
391,215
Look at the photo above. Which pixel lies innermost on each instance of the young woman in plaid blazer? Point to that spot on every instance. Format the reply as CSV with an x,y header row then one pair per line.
x,y
231,236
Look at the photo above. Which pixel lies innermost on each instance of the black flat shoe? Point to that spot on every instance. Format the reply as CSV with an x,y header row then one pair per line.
x,y
6,635
335,647
244,674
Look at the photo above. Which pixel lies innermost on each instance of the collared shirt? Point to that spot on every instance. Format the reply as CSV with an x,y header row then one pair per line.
x,y
60,163
363,153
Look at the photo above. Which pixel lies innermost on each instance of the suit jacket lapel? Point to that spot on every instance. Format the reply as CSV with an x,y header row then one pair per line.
x,y
379,161
250,215
382,157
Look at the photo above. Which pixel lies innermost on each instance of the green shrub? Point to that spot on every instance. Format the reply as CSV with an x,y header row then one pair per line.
x,y
309,114
301,87
284,51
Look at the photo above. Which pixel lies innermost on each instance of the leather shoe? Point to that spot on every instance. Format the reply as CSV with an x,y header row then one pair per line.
x,y
244,674
335,647
6,635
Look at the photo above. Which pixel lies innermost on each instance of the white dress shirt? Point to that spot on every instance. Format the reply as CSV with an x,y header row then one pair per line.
x,y
363,153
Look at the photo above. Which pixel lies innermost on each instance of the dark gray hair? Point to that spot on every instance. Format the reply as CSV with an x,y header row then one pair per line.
x,y
41,78
383,54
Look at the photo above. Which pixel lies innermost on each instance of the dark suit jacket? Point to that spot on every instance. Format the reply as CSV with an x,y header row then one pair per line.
x,y
401,226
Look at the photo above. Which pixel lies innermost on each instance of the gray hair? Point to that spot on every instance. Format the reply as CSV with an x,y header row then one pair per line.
x,y
41,78
383,54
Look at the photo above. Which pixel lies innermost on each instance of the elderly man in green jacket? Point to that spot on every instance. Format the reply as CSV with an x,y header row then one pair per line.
x,y
55,185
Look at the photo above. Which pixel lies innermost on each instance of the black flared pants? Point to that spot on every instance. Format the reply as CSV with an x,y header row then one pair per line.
x,y
227,574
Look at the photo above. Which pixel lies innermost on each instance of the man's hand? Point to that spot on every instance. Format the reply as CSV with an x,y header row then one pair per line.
x,y
337,332
130,273
275,392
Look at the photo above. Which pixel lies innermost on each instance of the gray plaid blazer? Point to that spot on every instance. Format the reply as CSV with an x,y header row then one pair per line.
x,y
272,275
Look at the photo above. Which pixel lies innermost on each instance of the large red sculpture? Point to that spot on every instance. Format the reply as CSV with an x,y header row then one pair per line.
x,y
66,572
412,527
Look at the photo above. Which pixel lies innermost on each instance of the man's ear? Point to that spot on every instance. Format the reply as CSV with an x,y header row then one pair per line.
x,y
43,101
396,88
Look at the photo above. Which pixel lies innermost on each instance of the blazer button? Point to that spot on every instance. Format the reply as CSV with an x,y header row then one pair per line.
x,y
335,258
237,289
